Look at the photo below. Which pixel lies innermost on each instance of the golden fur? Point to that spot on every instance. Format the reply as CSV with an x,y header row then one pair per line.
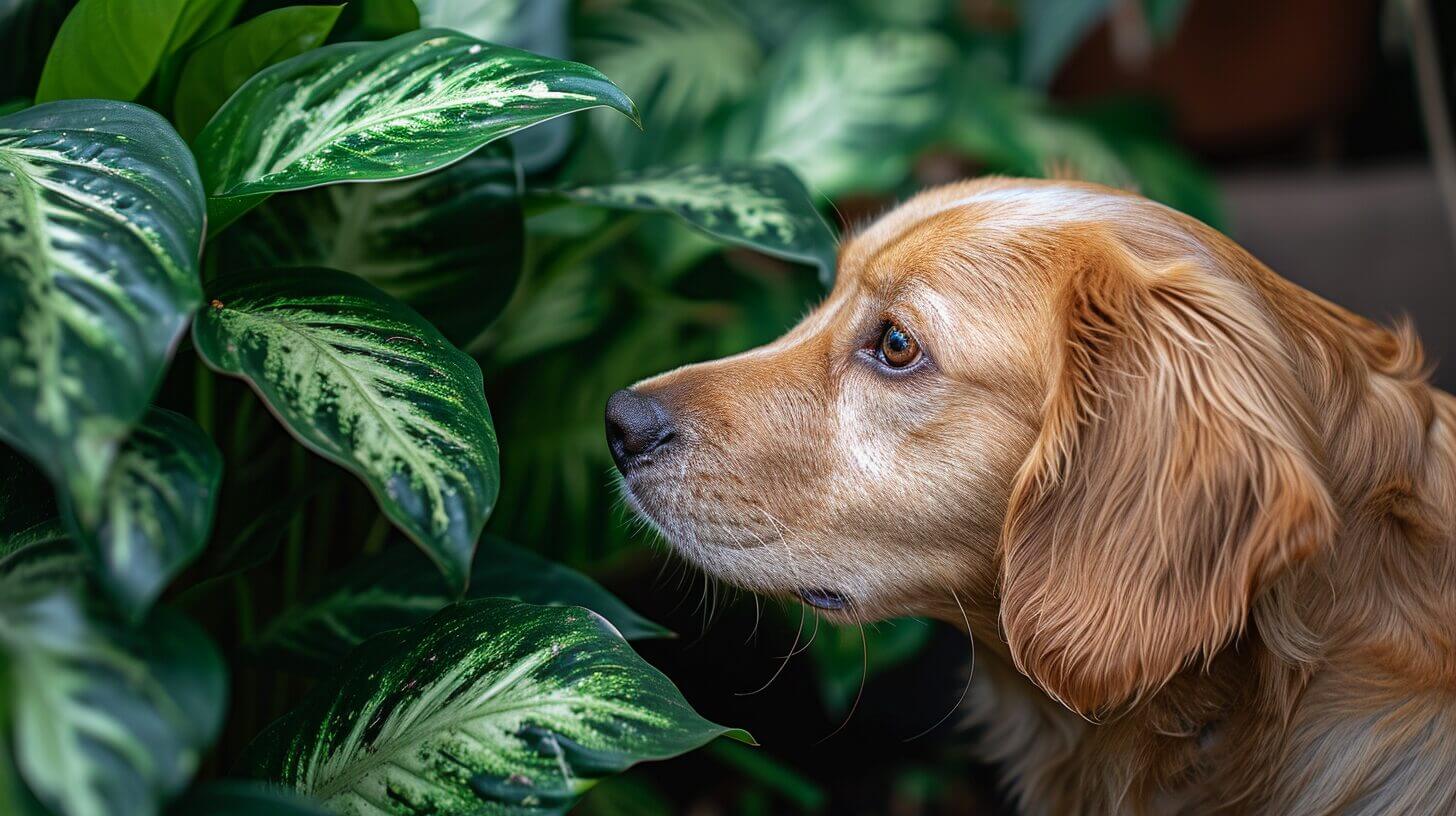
x,y
1198,520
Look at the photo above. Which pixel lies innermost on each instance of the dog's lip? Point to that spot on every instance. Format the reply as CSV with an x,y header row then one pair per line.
x,y
823,598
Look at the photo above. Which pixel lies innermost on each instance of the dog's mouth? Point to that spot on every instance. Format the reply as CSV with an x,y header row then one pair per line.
x,y
823,598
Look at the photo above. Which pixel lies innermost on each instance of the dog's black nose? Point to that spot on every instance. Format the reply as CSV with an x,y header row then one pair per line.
x,y
637,425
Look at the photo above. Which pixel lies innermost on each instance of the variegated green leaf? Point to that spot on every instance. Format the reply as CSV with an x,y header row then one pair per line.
x,y
389,591
846,106
420,240
490,706
681,60
219,66
384,110
106,720
538,26
103,214
112,49
157,505
761,206
365,381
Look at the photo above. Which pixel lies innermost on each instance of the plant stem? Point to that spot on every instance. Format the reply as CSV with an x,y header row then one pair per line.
x,y
203,397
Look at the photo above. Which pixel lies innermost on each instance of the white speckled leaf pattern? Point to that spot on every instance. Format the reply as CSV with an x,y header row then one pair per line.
x,y
489,707
106,720
156,510
365,381
388,591
101,218
420,239
383,110
763,206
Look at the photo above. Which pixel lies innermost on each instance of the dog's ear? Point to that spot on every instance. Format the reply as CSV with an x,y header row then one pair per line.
x,y
1175,475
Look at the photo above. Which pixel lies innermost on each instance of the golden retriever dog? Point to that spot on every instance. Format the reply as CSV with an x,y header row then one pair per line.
x,y
1197,519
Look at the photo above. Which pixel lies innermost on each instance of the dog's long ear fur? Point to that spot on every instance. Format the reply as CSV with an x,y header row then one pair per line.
x,y
1176,474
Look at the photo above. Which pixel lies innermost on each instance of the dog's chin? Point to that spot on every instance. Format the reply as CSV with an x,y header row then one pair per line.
x,y
725,560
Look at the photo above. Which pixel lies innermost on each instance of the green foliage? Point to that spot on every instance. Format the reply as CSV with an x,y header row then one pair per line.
x,y
219,66
156,508
160,532
416,239
764,207
103,209
488,703
363,380
139,39
388,591
372,111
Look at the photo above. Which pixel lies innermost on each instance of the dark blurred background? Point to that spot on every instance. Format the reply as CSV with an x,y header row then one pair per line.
x,y
1309,130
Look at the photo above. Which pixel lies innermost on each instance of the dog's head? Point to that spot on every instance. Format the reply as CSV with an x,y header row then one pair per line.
x,y
1071,408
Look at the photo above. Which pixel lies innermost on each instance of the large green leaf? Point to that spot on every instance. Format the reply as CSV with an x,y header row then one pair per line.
x,y
111,49
761,206
366,382
389,591
106,720
98,277
219,66
449,244
157,506
26,30
384,110
490,706
230,798
846,106
681,60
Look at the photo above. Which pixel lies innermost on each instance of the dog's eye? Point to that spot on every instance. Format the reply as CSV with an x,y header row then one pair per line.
x,y
897,348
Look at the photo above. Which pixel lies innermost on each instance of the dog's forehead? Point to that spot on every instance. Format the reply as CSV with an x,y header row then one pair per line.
x,y
997,208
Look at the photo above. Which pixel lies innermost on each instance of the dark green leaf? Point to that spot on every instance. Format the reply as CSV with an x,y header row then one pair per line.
x,y
106,720
366,382
219,66
385,110
846,106
111,49
382,19
157,506
230,798
490,706
764,207
28,513
388,591
420,240
98,276
26,30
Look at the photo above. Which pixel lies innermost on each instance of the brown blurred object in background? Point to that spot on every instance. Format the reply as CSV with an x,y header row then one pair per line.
x,y
1238,74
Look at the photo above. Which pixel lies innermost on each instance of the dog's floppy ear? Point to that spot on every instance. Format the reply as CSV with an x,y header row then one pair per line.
x,y
1175,475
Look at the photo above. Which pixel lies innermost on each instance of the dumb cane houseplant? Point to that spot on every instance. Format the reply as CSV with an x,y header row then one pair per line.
x,y
200,199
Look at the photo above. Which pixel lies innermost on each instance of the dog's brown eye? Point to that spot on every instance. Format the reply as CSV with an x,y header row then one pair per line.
x,y
897,348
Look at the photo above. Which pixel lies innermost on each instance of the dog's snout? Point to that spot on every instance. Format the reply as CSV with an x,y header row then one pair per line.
x,y
637,425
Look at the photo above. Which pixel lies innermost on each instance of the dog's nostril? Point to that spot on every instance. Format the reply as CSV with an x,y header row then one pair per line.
x,y
637,425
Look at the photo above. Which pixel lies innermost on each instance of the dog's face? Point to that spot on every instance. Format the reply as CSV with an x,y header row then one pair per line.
x,y
939,432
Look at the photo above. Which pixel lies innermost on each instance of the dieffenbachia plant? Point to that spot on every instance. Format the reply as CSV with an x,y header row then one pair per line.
x,y
217,213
